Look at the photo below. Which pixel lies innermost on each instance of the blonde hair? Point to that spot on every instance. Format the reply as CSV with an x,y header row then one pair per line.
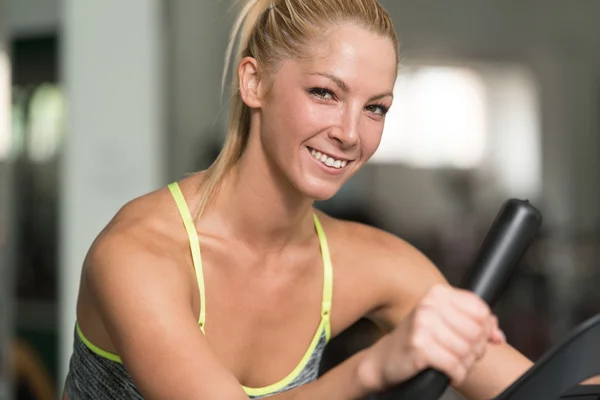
x,y
271,31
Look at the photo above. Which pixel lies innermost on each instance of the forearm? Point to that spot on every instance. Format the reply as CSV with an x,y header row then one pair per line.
x,y
349,380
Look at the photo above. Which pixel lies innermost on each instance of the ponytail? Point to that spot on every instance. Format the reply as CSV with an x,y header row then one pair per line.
x,y
239,119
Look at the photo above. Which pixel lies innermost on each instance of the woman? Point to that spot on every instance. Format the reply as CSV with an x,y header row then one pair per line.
x,y
250,314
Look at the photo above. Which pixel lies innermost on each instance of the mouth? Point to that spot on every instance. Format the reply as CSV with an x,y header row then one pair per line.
x,y
328,161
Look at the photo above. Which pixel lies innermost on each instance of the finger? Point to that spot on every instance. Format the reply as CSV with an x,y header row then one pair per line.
x,y
479,350
497,335
449,338
462,300
467,327
439,358
459,317
469,303
460,322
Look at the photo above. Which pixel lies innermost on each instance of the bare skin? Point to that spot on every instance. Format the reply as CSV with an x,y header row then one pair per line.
x,y
262,264
262,308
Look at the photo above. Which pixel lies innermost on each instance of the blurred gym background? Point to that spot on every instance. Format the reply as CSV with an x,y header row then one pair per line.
x,y
102,101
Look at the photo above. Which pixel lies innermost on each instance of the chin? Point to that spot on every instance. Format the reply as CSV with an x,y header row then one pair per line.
x,y
318,191
321,196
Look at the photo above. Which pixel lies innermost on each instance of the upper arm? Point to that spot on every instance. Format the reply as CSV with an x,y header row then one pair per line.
x,y
144,303
404,275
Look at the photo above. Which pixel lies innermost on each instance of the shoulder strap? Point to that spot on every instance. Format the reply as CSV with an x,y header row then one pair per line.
x,y
190,227
327,277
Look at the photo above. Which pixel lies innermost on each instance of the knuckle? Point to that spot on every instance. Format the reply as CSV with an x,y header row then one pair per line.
x,y
477,307
422,318
482,310
464,351
480,332
426,303
458,372
456,364
489,329
470,361
419,341
474,334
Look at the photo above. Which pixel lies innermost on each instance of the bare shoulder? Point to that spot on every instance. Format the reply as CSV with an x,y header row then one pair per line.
x,y
137,278
128,256
140,253
395,273
139,244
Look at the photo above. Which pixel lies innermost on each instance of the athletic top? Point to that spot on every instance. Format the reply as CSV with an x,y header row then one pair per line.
x,y
95,374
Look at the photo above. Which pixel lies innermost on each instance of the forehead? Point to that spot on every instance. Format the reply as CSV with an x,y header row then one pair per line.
x,y
355,55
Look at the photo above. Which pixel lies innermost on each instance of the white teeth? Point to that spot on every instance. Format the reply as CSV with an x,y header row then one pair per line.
x,y
325,159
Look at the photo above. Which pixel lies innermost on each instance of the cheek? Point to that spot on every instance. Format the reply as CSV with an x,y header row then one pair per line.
x,y
370,139
297,118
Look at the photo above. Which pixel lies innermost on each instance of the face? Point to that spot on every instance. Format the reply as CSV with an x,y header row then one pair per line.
x,y
321,117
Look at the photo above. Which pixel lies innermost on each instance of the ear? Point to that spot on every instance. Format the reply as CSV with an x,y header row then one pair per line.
x,y
249,82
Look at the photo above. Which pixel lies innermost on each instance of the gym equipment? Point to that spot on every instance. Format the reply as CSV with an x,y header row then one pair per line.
x,y
564,366
557,374
515,227
584,392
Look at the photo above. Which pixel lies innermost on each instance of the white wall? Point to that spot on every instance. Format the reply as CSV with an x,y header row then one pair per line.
x,y
112,65
30,17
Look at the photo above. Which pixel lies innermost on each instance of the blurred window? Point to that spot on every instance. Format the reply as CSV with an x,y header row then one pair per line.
x,y
45,123
482,116
437,119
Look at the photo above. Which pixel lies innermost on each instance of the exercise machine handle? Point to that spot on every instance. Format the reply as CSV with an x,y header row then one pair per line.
x,y
513,230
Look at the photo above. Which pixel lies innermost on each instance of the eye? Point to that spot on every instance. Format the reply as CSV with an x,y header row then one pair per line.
x,y
321,93
378,109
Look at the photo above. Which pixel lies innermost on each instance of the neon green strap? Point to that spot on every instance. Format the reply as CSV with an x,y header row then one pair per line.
x,y
328,276
102,353
190,227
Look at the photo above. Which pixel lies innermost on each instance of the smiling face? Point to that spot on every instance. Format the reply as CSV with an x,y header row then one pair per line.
x,y
321,117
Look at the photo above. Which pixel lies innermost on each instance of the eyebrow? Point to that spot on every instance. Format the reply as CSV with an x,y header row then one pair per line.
x,y
342,85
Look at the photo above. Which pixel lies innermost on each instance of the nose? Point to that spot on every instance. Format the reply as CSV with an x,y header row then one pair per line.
x,y
346,131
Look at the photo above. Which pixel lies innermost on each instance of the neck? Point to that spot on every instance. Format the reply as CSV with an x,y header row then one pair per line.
x,y
260,206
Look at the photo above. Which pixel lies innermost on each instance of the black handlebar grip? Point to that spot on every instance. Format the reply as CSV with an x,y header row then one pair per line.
x,y
515,227
513,230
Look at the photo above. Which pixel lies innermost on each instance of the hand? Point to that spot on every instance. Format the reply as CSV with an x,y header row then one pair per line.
x,y
448,330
